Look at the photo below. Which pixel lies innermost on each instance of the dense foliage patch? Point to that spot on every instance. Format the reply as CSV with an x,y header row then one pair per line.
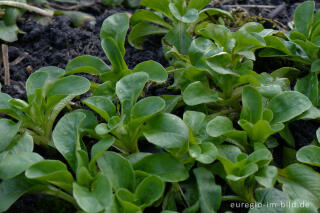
x,y
222,147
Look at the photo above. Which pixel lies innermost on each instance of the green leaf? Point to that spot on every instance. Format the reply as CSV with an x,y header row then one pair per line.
x,y
267,176
115,57
186,15
205,153
301,182
99,148
12,189
165,166
210,195
10,129
155,70
198,4
128,89
149,191
219,126
167,131
147,107
15,164
315,66
116,27
51,171
8,33
194,120
102,105
66,136
148,16
286,72
196,93
159,6
303,16
318,134
95,199
21,143
87,64
309,86
79,86
179,38
310,155
118,170
251,105
288,105
141,31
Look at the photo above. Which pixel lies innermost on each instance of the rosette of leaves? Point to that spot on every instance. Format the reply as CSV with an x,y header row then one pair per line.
x,y
130,119
99,181
302,43
47,96
219,65
176,19
260,119
113,34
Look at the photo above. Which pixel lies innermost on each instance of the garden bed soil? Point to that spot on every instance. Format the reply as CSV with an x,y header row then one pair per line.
x,y
58,42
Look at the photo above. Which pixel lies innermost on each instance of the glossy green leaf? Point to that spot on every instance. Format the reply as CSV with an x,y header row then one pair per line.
x,y
219,126
303,16
12,189
288,105
196,93
309,86
310,155
8,33
116,27
267,176
118,170
102,105
87,64
141,31
315,66
66,136
149,191
147,107
210,194
10,129
95,199
79,84
160,6
165,166
149,16
301,182
128,89
205,153
251,105
167,131
51,171
198,4
15,164
154,69
194,120
183,14
179,38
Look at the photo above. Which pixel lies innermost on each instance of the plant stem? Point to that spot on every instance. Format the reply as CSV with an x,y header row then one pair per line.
x,y
5,57
30,8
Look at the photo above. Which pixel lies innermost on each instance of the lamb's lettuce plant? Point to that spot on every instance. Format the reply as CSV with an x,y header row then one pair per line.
x,y
176,19
105,182
113,34
133,119
47,96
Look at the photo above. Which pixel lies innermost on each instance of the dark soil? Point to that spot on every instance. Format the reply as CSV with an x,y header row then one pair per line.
x,y
59,42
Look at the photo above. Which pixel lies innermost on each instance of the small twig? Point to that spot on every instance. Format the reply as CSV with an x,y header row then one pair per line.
x,y
252,6
73,7
30,8
19,59
277,10
5,57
